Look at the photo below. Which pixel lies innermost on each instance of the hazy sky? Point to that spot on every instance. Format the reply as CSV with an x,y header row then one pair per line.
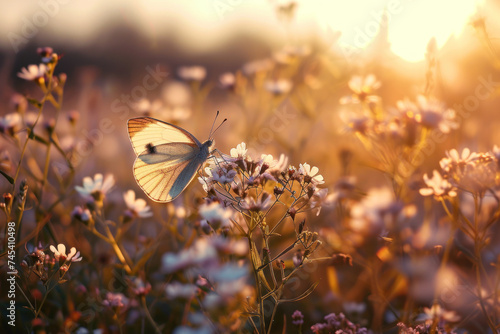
x,y
205,24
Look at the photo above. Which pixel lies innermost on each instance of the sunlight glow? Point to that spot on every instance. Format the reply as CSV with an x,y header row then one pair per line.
x,y
204,25
411,24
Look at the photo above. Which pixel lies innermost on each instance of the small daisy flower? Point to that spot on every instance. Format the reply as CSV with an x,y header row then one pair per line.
x,y
363,89
76,257
454,160
368,215
321,198
19,103
433,114
257,66
60,253
223,174
358,123
178,290
267,159
240,152
10,123
353,307
229,246
136,207
216,215
174,114
192,73
279,165
437,312
207,182
311,174
227,80
33,72
95,190
471,171
407,108
147,107
437,186
202,252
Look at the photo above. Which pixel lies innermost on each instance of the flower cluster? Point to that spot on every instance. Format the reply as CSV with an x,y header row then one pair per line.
x,y
221,287
469,171
363,89
256,185
395,137
422,329
265,238
94,191
247,195
378,213
39,262
174,105
337,323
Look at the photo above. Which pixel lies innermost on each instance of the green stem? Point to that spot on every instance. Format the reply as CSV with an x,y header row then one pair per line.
x,y
47,91
18,221
37,313
148,315
272,317
258,287
49,146
119,253
25,297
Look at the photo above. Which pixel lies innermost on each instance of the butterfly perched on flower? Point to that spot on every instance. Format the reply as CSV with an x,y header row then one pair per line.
x,y
168,157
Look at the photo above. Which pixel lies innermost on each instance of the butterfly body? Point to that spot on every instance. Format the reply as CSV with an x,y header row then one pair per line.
x,y
168,157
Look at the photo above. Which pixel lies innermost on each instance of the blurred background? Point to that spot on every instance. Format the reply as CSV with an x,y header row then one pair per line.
x,y
276,70
107,47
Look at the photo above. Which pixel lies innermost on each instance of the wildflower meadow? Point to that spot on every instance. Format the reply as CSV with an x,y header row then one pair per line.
x,y
291,185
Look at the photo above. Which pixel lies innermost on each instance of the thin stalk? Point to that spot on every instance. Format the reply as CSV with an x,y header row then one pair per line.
x,y
258,287
117,249
47,91
477,255
272,317
37,313
148,315
25,297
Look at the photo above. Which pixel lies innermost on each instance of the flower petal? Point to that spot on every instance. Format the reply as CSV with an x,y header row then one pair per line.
x,y
62,249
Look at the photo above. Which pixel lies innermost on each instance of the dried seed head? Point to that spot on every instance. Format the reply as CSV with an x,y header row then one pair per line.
x,y
7,198
301,226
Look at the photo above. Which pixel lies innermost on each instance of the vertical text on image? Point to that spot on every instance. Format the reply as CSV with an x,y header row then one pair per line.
x,y
11,273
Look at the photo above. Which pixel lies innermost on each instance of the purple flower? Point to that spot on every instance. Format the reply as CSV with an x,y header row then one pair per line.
x,y
297,318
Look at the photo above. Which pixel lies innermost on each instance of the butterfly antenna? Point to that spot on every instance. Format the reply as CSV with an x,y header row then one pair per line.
x,y
212,132
215,119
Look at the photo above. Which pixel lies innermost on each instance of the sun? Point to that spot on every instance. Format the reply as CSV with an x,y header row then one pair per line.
x,y
424,19
410,24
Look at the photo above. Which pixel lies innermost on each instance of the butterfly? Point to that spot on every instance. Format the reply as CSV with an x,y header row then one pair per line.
x,y
168,157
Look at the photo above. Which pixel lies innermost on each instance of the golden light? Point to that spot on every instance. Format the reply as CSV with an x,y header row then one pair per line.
x,y
410,24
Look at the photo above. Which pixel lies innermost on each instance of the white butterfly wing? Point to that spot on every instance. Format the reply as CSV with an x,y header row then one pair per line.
x,y
168,157
145,131
157,180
